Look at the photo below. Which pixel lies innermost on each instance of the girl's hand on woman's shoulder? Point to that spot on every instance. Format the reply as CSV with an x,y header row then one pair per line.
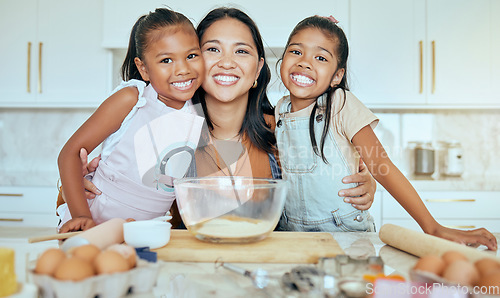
x,y
361,197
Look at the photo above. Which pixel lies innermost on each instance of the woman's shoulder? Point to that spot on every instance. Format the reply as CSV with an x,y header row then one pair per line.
x,y
270,119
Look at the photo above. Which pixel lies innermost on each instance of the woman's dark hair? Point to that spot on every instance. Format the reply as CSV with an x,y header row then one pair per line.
x,y
254,124
331,30
141,36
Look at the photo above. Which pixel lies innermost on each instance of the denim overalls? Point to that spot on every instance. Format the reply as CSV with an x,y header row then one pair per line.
x,y
313,203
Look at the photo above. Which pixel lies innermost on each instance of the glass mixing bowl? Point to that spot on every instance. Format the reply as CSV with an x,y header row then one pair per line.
x,y
230,209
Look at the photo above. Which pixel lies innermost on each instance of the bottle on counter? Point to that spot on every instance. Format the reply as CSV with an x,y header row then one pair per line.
x,y
424,159
453,161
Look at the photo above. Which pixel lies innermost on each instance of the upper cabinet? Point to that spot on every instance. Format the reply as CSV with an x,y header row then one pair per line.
x,y
417,53
54,55
274,19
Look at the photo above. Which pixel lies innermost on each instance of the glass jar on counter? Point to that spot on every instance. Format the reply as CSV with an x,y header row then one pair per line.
x,y
424,159
453,161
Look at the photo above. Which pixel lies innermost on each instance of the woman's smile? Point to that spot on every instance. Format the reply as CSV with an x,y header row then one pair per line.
x,y
225,79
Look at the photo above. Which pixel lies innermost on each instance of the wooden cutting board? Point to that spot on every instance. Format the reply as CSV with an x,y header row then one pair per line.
x,y
279,247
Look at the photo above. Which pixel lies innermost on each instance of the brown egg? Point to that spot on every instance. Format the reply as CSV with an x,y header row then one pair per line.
x,y
461,272
74,269
452,256
109,261
48,262
127,251
486,266
430,263
490,284
86,252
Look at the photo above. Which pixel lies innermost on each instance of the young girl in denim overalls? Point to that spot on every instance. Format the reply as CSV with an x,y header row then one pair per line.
x,y
322,130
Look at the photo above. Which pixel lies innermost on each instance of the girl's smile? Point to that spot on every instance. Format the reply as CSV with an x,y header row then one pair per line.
x,y
302,80
183,85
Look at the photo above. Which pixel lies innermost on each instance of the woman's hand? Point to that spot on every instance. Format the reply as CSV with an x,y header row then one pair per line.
x,y
472,238
88,167
361,197
77,224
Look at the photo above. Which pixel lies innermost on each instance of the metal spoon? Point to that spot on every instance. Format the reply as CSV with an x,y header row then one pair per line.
x,y
259,277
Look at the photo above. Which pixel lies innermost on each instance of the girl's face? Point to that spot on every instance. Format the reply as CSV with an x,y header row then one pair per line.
x,y
173,64
309,66
231,60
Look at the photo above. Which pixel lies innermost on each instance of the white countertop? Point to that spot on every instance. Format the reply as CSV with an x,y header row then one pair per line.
x,y
204,279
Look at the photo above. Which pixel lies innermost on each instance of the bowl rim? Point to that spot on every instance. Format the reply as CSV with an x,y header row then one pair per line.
x,y
146,224
190,181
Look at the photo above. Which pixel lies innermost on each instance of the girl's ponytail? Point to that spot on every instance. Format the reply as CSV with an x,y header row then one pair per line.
x,y
129,70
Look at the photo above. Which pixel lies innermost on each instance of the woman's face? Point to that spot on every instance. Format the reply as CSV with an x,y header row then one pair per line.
x,y
231,59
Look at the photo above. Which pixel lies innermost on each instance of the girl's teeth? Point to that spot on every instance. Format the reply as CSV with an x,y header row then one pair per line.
x,y
226,78
302,79
182,84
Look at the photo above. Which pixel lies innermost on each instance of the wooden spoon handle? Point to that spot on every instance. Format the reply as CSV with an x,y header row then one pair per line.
x,y
52,237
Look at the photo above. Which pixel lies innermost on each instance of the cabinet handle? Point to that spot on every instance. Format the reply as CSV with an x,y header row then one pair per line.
x,y
449,200
421,45
11,194
40,67
28,80
12,219
461,227
433,67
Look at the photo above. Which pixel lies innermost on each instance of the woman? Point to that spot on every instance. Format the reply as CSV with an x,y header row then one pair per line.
x,y
239,115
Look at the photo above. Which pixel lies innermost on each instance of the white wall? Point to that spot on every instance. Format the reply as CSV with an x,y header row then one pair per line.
x,y
30,140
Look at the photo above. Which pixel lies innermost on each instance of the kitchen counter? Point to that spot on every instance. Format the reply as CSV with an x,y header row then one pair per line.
x,y
189,279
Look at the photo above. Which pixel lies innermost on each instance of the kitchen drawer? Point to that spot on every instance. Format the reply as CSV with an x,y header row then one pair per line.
x,y
20,219
492,225
448,205
28,199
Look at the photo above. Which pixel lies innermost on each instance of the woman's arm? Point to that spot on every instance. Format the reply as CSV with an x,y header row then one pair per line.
x,y
105,120
361,197
389,176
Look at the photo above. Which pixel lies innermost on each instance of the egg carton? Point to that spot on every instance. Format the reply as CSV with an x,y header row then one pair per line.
x,y
445,288
140,279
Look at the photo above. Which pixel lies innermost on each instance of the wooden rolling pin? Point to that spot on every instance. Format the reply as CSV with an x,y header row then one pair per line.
x,y
52,237
420,244
103,235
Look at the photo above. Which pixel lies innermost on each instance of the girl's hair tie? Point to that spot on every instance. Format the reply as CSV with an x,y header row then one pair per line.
x,y
331,18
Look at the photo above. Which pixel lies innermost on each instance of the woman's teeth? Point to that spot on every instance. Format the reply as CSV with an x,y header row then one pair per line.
x,y
302,79
182,84
226,79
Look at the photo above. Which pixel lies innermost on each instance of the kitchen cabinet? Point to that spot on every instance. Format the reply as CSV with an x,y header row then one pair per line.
x,y
274,19
54,55
461,210
416,53
28,206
